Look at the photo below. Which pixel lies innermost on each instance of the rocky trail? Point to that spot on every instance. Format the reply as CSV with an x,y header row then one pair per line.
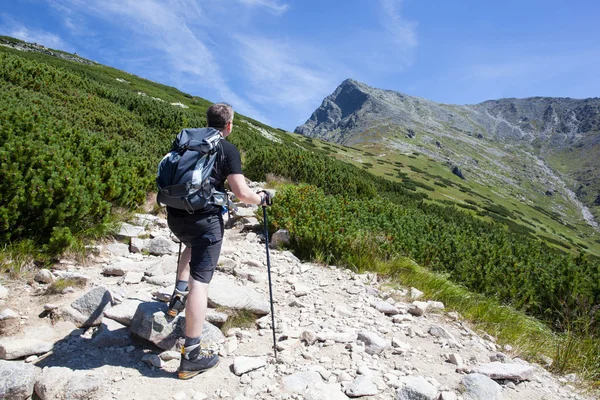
x,y
340,335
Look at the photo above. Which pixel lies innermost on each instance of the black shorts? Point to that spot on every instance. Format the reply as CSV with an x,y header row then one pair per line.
x,y
204,234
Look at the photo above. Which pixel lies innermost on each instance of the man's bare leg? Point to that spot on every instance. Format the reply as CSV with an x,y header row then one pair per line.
x,y
196,308
183,269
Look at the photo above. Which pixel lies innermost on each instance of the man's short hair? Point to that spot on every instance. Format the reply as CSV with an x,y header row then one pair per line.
x,y
218,115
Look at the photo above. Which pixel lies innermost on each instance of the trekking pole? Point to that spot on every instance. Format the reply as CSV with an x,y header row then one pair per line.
x,y
270,285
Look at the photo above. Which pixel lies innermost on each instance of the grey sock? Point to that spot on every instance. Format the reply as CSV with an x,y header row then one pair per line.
x,y
191,341
182,286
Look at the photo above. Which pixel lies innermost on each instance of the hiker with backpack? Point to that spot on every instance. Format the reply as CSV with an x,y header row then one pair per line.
x,y
191,182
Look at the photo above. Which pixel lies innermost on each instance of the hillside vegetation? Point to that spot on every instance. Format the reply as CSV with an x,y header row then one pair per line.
x,y
77,144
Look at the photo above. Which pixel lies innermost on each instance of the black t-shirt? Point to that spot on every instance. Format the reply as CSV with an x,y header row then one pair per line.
x,y
228,162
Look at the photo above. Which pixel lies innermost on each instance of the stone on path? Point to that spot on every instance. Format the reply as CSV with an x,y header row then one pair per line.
x,y
301,381
480,387
133,277
338,337
63,383
441,332
362,386
129,231
92,305
280,238
224,292
242,365
44,276
418,308
124,312
415,293
118,249
161,245
162,280
151,322
323,391
3,292
385,307
10,322
374,344
17,379
118,268
514,372
416,388
17,348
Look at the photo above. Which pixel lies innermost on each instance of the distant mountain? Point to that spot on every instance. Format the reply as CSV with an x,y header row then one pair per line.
x,y
556,140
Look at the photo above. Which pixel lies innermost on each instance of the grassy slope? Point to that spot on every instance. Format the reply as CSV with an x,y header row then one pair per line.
x,y
551,216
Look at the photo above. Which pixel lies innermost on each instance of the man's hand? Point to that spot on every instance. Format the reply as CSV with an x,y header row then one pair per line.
x,y
265,197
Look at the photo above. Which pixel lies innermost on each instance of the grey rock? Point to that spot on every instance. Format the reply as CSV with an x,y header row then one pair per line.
x,y
299,382
3,292
144,220
111,333
44,276
242,365
310,337
415,293
416,388
150,322
162,280
441,332
418,308
118,268
118,249
124,312
17,380
17,348
92,305
137,245
170,355
323,391
224,292
338,337
374,344
215,317
161,245
153,360
65,384
385,307
362,386
514,372
480,387
129,231
154,270
281,238
10,322
133,277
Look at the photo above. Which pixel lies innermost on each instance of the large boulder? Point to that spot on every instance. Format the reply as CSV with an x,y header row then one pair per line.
x,y
17,379
500,371
124,312
65,384
480,387
13,349
416,388
92,305
224,292
152,323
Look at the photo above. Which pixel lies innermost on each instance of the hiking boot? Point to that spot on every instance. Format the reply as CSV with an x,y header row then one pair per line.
x,y
177,303
195,360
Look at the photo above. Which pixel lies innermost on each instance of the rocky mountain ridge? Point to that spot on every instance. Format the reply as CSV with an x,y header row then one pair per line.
x,y
340,335
557,139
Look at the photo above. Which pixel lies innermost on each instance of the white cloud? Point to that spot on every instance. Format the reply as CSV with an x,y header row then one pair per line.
x,y
178,31
272,5
402,32
278,73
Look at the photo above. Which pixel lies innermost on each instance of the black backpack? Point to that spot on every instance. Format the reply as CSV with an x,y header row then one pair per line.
x,y
184,175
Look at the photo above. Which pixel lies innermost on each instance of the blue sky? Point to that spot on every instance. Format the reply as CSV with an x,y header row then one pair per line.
x,y
275,60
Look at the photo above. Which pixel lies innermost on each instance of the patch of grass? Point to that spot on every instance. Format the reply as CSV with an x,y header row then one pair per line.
x,y
238,319
61,284
21,258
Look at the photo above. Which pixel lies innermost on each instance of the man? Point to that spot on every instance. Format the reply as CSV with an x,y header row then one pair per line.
x,y
202,234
